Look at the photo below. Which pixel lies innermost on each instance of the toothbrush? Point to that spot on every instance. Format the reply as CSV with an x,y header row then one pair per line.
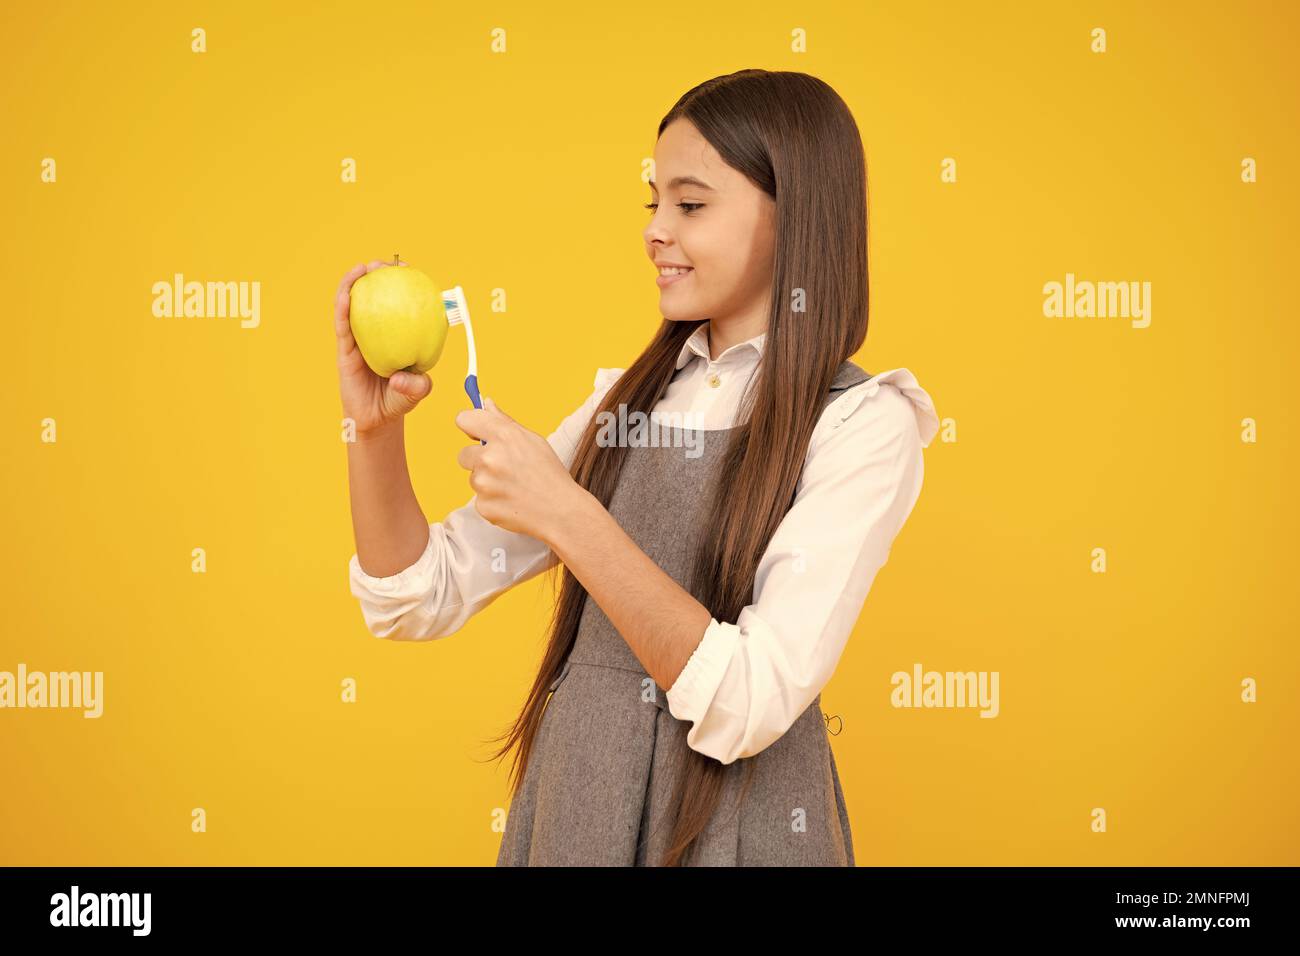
x,y
457,309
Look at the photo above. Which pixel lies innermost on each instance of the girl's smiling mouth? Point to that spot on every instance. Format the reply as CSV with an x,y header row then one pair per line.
x,y
670,274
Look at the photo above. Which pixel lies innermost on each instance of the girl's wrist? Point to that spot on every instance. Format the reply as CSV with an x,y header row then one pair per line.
x,y
572,517
381,433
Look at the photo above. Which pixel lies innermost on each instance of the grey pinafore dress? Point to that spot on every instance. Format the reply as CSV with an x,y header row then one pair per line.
x,y
602,774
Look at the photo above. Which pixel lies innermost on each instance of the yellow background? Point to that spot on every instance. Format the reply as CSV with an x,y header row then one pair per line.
x,y
521,171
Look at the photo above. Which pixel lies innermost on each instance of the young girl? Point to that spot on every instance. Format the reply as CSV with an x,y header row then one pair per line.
x,y
730,569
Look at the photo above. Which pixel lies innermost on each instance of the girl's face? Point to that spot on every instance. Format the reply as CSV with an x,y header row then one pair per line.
x,y
712,219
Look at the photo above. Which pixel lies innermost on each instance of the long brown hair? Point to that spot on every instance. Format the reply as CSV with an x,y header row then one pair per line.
x,y
794,138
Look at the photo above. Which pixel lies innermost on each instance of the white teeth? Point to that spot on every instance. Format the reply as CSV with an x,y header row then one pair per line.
x,y
672,271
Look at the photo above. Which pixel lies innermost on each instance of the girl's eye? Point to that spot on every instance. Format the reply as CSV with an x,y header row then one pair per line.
x,y
687,207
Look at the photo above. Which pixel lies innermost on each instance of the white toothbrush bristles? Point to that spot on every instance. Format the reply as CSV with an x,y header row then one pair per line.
x,y
457,309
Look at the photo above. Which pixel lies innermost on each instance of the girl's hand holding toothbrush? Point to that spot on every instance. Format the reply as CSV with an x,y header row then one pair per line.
x,y
520,484
373,403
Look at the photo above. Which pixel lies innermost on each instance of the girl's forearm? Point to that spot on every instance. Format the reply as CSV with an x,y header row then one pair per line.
x,y
660,620
390,529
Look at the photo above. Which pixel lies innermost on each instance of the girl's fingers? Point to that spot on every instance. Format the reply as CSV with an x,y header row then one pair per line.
x,y
343,314
343,328
351,276
343,309
343,300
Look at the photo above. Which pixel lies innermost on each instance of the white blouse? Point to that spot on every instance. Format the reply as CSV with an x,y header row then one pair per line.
x,y
749,680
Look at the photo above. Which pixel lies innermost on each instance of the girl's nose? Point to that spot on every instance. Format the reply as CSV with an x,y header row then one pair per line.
x,y
654,232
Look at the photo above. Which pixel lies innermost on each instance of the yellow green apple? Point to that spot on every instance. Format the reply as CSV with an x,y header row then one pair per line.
x,y
397,320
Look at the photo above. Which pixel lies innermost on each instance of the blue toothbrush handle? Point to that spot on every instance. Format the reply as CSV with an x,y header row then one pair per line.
x,y
471,389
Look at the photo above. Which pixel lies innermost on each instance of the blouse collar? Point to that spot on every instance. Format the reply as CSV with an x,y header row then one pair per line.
x,y
698,343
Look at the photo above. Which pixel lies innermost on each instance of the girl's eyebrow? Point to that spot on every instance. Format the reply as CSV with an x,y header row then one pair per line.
x,y
678,181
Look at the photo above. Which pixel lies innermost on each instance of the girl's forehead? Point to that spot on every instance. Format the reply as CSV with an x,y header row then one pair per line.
x,y
682,151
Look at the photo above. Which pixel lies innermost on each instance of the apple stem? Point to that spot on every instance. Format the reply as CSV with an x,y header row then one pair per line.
x,y
394,258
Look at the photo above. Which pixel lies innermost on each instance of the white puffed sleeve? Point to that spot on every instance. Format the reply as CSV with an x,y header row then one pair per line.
x,y
748,681
468,561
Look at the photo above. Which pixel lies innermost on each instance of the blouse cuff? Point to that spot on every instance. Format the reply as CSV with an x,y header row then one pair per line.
x,y
408,582
696,686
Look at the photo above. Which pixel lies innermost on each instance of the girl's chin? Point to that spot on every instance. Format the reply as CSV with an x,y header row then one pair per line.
x,y
680,300
675,312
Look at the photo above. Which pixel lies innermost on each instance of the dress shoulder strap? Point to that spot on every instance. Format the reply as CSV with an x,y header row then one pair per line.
x,y
847,375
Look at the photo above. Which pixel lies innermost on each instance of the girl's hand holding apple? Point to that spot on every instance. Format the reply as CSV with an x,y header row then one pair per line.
x,y
372,402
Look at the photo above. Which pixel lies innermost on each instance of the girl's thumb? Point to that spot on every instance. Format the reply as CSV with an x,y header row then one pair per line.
x,y
411,385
